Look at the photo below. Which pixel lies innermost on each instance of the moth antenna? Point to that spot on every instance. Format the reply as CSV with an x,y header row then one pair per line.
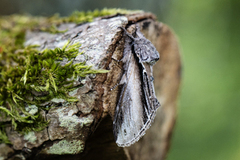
x,y
116,59
126,32
120,83
114,87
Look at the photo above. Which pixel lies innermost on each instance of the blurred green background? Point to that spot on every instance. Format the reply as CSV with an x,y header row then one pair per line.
x,y
208,125
208,121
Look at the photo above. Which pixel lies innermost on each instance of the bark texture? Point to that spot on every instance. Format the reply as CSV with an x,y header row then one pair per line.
x,y
84,130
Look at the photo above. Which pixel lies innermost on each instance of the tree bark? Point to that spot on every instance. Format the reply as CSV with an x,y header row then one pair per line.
x,y
84,130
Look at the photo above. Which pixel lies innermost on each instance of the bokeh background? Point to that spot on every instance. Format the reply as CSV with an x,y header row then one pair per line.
x,y
208,126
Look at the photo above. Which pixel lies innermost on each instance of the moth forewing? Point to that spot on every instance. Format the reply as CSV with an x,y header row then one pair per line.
x,y
128,116
137,103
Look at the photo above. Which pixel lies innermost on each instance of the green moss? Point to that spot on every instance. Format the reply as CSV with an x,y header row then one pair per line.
x,y
3,136
29,78
79,17
82,17
22,86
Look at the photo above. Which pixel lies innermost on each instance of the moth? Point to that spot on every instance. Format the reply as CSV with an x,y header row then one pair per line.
x,y
137,105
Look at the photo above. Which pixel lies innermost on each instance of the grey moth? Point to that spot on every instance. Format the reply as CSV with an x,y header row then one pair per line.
x,y
137,104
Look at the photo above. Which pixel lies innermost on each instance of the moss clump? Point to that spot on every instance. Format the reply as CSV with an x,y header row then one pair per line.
x,y
3,136
13,27
32,78
79,17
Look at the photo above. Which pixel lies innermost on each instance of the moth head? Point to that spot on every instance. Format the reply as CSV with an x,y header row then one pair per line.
x,y
154,57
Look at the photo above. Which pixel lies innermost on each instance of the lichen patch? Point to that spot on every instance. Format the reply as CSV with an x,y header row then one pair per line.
x,y
66,147
30,137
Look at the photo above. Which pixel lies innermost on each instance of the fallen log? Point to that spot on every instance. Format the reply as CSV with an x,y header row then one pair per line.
x,y
84,130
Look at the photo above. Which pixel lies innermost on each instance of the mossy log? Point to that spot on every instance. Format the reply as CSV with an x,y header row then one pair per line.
x,y
83,130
